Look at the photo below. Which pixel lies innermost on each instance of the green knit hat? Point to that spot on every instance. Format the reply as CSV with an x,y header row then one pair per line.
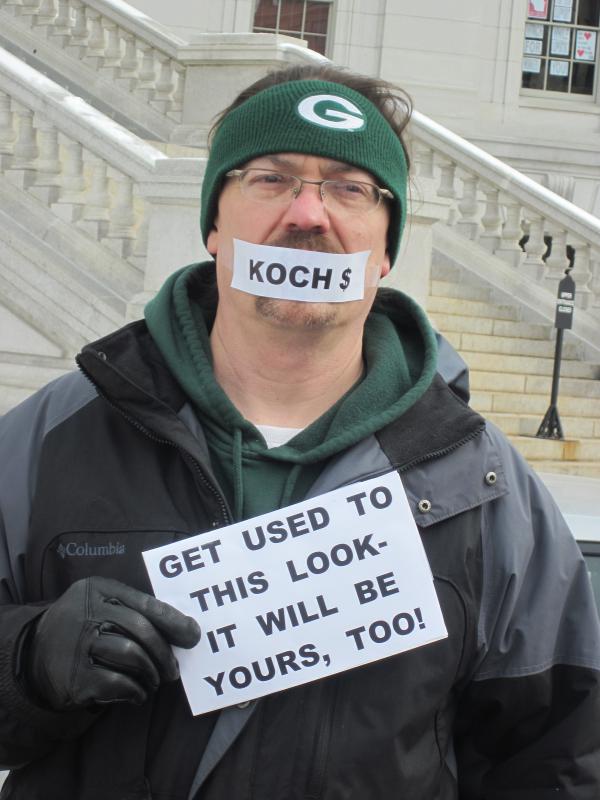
x,y
316,117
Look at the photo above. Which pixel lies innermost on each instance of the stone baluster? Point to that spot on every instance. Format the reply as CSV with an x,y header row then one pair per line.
x,y
46,13
582,275
423,158
13,6
95,215
140,245
121,227
447,188
63,22
130,61
112,58
425,184
47,180
177,100
44,19
25,152
509,249
491,219
556,260
146,87
468,206
79,31
164,84
594,261
535,248
128,77
71,200
96,48
7,131
29,9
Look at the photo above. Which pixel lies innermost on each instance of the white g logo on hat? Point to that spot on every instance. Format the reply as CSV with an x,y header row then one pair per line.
x,y
331,111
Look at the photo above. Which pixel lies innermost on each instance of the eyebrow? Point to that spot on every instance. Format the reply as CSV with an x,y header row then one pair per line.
x,y
333,167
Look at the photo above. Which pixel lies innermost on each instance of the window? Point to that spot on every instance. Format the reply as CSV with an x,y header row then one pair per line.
x,y
300,18
560,53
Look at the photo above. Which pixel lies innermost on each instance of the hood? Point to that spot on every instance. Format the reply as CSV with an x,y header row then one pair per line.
x,y
400,354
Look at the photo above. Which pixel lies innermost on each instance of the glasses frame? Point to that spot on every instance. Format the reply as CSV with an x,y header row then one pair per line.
x,y
381,192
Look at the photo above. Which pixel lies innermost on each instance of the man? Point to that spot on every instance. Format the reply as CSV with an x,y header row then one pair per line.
x,y
237,396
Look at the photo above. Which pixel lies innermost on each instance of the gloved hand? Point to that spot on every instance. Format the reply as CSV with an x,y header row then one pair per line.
x,y
104,642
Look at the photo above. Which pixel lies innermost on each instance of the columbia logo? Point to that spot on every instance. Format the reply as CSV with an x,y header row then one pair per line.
x,y
80,550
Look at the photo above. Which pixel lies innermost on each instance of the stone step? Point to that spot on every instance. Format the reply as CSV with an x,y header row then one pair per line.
x,y
11,396
33,374
528,425
507,345
530,365
466,291
21,375
510,402
444,270
455,323
532,384
589,469
535,449
471,308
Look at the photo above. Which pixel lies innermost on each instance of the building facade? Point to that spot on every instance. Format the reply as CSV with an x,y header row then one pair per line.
x,y
517,77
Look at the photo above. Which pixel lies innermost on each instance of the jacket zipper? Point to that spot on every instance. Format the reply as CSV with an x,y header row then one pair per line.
x,y
314,786
316,777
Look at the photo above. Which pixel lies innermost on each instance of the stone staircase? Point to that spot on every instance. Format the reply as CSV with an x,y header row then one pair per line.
x,y
511,362
96,211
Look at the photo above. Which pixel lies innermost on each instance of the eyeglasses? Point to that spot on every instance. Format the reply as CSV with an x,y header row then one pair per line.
x,y
269,186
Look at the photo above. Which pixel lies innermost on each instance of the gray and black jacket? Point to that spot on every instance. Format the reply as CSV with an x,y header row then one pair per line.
x,y
98,467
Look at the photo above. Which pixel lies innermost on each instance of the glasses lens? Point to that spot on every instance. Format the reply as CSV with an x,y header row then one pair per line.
x,y
352,196
267,186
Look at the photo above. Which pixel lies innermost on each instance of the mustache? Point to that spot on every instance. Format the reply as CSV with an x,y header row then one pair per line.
x,y
305,240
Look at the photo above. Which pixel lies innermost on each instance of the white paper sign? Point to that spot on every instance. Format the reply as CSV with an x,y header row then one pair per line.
x,y
585,46
562,14
307,275
561,41
532,64
559,68
563,10
299,594
533,47
538,8
534,30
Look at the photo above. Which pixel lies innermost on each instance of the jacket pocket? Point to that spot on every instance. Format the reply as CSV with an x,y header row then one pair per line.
x,y
73,555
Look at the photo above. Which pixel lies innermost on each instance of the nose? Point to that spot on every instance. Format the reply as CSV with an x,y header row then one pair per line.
x,y
307,211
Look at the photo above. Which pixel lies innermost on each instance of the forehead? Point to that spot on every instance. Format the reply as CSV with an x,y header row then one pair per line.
x,y
303,161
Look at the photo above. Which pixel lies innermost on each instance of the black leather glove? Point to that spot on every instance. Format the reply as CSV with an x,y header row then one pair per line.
x,y
104,642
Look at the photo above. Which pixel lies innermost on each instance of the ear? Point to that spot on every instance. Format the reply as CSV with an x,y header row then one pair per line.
x,y
385,265
212,242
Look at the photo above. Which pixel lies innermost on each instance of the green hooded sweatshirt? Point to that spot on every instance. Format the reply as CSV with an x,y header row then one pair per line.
x,y
400,358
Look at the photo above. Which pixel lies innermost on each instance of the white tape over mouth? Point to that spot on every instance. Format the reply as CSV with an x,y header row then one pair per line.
x,y
307,275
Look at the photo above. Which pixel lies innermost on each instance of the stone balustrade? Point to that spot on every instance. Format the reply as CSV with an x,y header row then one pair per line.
x,y
525,235
140,69
534,232
102,181
99,34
